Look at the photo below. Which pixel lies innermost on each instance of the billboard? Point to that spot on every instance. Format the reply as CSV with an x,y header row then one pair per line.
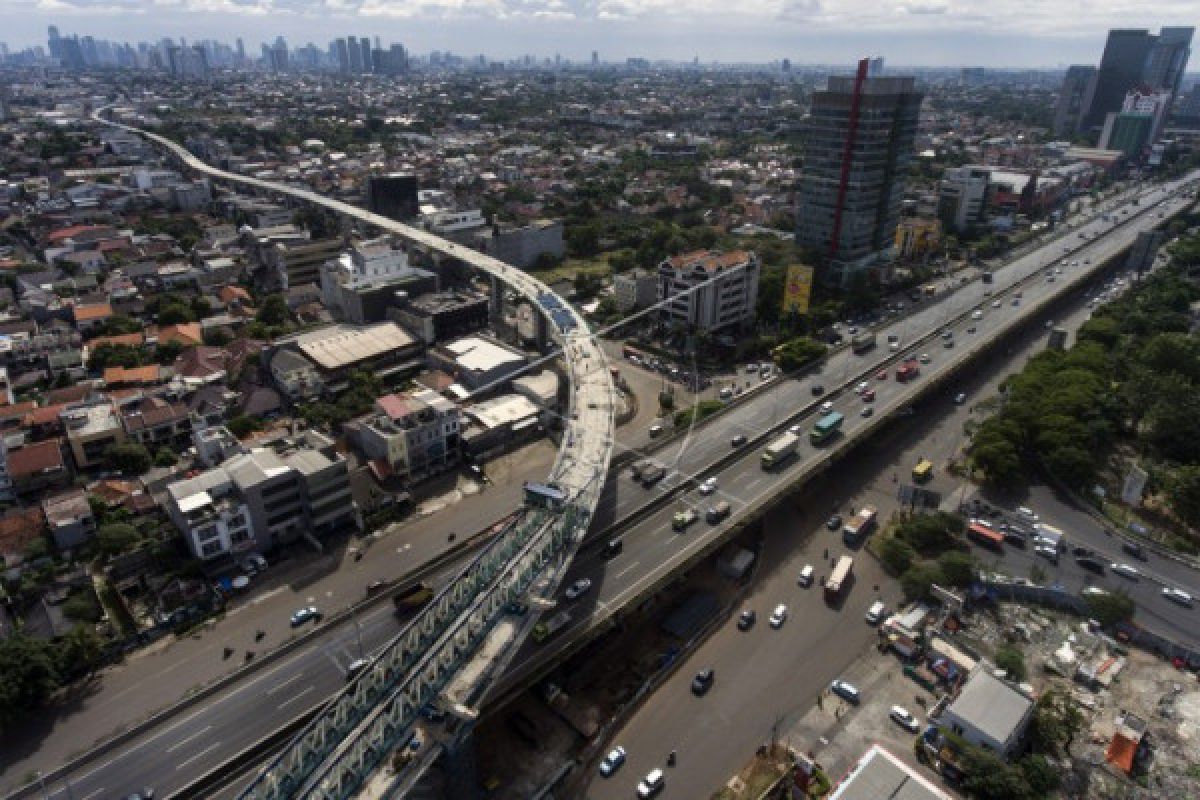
x,y
797,289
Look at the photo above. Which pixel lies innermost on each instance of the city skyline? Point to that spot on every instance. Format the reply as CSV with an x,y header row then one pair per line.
x,y
804,31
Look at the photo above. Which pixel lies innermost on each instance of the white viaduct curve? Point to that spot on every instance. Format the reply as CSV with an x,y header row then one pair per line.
x,y
587,441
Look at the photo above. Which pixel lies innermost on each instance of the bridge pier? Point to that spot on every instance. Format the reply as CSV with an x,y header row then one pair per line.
x,y
463,781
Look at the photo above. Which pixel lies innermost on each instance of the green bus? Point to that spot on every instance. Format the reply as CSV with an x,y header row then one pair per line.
x,y
826,428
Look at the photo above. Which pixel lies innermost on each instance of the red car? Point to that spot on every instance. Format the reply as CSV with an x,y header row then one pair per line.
x,y
881,375
868,396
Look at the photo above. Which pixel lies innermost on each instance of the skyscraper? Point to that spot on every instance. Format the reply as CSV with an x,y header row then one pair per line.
x,y
1074,99
1134,58
364,48
343,55
860,135
356,61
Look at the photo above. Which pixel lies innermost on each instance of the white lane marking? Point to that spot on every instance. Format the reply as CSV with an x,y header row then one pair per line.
x,y
96,793
284,683
296,696
198,756
631,566
182,742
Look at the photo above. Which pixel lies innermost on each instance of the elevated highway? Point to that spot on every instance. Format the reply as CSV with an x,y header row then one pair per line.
x,y
461,639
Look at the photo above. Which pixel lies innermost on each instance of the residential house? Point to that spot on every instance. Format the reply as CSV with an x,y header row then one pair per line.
x,y
91,430
38,466
69,518
989,712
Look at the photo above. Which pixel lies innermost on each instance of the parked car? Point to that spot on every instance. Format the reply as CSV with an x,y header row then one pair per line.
x,y
747,619
826,407
578,588
904,719
779,616
834,523
613,761
818,390
651,785
613,547
738,440
846,691
703,681
806,576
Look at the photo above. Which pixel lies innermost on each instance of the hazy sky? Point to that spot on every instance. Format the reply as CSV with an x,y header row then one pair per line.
x,y
927,32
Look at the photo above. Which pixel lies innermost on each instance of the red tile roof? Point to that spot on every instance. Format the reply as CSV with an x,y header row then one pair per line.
x,y
16,410
72,232
36,458
45,415
116,376
187,334
19,528
121,339
87,313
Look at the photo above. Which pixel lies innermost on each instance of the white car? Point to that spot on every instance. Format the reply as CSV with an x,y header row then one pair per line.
x,y
304,615
924,359
1047,552
578,588
1124,570
806,576
778,616
613,761
868,411
1177,596
862,387
826,407
796,430
995,304
709,486
652,784
1094,591
904,719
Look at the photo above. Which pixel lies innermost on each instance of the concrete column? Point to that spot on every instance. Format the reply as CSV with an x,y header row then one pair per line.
x,y
497,307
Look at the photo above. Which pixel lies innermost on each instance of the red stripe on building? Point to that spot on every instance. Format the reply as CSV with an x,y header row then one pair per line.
x,y
847,152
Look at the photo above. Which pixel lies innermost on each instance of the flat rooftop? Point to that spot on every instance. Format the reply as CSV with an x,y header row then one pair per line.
x,y
344,345
879,775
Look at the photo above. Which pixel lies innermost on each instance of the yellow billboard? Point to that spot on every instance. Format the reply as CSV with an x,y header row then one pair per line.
x,y
797,289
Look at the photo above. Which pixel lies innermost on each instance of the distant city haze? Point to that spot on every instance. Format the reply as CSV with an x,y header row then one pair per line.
x,y
922,33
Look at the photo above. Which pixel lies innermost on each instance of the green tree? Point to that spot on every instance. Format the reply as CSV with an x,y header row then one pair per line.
x,y
116,538
957,567
989,777
167,352
1111,607
30,676
931,534
81,652
896,555
798,352
917,579
1057,720
81,606
130,458
274,311
174,314
1183,490
165,457
118,324
242,426
1041,777
1012,661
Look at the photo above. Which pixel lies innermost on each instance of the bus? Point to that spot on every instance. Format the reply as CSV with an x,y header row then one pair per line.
x,y
826,428
923,471
985,536
840,577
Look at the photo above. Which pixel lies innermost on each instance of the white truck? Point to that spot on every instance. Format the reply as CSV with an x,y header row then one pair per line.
x,y
780,450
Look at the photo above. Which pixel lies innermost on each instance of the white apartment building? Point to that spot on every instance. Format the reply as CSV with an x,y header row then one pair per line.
x,y
708,290
367,263
962,197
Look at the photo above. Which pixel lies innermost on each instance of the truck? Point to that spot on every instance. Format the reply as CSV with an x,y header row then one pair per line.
x,y
908,371
859,528
826,428
862,342
412,597
547,628
840,579
780,450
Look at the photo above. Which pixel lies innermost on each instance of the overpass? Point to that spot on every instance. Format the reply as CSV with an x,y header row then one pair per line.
x,y
462,638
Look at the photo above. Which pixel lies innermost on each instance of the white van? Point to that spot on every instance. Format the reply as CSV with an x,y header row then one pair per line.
x,y
875,612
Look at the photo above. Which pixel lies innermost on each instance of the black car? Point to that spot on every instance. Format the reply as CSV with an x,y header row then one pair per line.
x,y
738,440
1081,551
747,619
703,681
1090,564
834,522
613,546
1134,549
1016,538
818,390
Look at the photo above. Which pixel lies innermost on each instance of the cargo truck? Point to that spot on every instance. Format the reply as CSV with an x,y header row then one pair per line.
x,y
544,630
840,578
780,450
826,428
859,528
862,342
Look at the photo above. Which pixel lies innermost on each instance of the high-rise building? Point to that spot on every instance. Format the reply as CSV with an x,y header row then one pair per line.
x,y
393,196
1134,58
962,197
343,55
364,48
54,41
860,135
356,62
1074,99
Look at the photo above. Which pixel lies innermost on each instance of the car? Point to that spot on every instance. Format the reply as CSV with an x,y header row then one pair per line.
x,y
1090,564
751,369
960,398
1047,552
867,411
1016,301
254,563
738,440
971,329
868,396
613,547
844,690
356,666
834,522
1093,591
656,430
578,588
862,387
1177,596
779,616
826,407
1134,549
652,784
1127,571
145,794
818,390
901,716
924,359
703,681
893,338
613,761
894,346
708,486
746,619
796,430
431,713
304,615
995,304
948,343
977,314
806,576
881,375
